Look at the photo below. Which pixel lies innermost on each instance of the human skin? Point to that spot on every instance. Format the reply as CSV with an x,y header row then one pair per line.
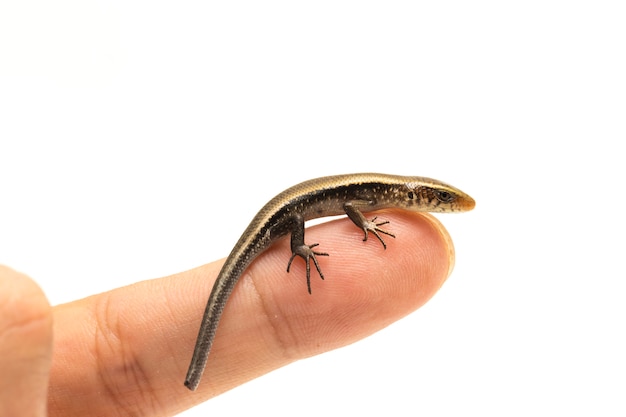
x,y
126,351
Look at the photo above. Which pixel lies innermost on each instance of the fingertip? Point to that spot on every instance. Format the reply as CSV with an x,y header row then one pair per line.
x,y
362,279
447,246
420,258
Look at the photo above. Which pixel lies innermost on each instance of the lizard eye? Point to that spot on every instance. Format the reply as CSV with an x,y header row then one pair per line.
x,y
444,196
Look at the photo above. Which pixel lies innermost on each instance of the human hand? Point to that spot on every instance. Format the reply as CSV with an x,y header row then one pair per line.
x,y
126,351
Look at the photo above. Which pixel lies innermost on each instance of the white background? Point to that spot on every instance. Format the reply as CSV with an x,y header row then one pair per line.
x,y
138,138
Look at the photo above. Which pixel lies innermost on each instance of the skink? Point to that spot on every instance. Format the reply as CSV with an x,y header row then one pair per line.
x,y
351,194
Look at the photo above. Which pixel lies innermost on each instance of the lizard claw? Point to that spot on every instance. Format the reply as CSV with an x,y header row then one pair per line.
x,y
373,227
307,253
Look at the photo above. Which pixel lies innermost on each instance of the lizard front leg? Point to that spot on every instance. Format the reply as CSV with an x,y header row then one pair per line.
x,y
352,210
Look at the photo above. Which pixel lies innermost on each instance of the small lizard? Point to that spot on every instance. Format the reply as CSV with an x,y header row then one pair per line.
x,y
351,194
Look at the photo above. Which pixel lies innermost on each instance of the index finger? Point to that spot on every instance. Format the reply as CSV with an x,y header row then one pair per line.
x,y
129,348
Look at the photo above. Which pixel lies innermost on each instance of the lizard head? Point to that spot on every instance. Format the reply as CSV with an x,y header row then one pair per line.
x,y
431,195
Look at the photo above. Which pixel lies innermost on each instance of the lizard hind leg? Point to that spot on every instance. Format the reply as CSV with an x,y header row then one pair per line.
x,y
301,249
307,253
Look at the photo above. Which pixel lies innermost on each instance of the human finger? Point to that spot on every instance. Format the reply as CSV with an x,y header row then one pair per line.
x,y
25,345
129,348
